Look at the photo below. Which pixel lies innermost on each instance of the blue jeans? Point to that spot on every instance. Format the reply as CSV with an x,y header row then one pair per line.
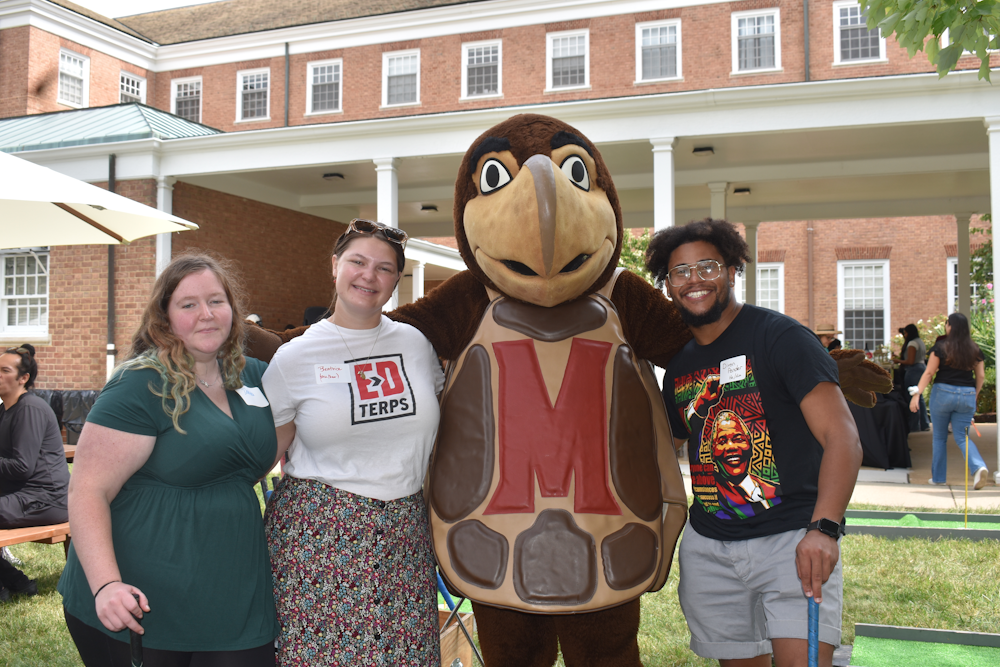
x,y
956,405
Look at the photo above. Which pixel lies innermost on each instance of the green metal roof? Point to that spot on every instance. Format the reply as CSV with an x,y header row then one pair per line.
x,y
100,125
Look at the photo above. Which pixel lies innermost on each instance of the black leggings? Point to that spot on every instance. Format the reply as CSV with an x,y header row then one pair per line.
x,y
99,650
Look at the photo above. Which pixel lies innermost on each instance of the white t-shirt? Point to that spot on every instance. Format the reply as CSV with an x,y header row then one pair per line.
x,y
371,437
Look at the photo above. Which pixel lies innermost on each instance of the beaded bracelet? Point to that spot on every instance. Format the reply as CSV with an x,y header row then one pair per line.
x,y
113,581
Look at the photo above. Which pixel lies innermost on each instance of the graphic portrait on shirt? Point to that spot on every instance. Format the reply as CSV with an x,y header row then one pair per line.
x,y
380,389
733,473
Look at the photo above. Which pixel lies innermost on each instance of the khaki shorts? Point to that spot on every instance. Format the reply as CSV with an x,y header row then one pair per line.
x,y
738,595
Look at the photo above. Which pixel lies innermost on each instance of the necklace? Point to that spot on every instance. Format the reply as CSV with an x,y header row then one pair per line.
x,y
207,384
377,332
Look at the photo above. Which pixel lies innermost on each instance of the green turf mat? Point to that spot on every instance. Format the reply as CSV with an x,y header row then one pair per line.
x,y
911,521
466,606
872,652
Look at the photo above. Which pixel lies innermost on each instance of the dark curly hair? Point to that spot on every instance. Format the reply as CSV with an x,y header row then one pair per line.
x,y
719,233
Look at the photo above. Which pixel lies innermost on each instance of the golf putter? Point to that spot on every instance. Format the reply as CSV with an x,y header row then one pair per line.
x,y
135,640
813,633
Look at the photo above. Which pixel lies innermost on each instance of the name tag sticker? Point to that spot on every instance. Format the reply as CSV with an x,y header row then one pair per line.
x,y
333,374
733,369
253,396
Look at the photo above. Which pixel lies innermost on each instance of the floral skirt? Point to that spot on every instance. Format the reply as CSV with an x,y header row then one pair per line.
x,y
354,578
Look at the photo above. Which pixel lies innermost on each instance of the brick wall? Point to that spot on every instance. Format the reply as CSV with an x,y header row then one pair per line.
x,y
284,255
14,55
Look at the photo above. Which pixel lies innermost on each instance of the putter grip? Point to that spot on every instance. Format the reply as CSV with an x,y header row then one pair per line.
x,y
813,633
135,641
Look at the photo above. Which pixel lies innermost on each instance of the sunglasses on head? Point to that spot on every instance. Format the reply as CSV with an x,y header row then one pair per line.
x,y
16,350
393,234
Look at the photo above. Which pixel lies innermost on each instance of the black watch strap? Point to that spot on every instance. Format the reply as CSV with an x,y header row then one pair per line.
x,y
827,527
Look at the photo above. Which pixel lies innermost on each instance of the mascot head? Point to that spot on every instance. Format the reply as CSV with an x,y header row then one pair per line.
x,y
536,213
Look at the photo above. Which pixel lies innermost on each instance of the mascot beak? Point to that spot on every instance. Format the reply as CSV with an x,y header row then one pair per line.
x,y
542,239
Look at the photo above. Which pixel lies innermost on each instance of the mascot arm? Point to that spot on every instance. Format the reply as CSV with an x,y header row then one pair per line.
x,y
860,378
263,343
653,326
449,315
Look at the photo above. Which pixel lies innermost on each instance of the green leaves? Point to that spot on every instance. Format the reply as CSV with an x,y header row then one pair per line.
x,y
966,26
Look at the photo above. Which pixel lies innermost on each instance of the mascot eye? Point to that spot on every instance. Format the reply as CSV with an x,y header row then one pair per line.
x,y
576,172
493,177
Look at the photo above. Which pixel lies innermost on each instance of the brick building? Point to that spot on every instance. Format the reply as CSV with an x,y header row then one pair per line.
x,y
854,169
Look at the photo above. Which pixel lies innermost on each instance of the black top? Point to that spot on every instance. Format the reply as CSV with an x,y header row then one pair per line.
x,y
950,375
32,458
754,461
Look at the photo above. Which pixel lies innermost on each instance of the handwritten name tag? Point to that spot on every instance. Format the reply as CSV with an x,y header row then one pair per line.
x,y
253,396
333,373
733,369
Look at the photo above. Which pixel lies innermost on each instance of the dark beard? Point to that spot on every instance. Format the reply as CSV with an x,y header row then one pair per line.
x,y
712,315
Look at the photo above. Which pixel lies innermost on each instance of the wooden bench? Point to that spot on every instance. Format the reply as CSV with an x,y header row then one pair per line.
x,y
70,452
53,534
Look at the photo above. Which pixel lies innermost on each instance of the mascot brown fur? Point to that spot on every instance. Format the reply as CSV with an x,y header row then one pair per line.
x,y
553,463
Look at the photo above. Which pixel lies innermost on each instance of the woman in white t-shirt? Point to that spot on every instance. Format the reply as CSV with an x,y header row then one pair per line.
x,y
355,404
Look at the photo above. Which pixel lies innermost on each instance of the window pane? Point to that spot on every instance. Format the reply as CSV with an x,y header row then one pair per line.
x,y
255,95
402,89
856,41
326,88
569,56
755,41
188,101
25,291
71,71
863,306
131,88
399,65
659,62
483,70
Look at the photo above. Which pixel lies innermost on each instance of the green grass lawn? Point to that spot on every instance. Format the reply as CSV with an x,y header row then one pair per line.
x,y
948,584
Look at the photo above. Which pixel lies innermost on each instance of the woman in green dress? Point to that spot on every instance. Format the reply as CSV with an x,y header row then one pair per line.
x,y
161,499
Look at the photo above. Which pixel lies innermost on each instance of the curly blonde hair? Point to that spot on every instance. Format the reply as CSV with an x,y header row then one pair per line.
x,y
155,346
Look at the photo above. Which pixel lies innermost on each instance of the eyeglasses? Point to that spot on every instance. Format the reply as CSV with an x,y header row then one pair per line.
x,y
708,269
393,234
16,350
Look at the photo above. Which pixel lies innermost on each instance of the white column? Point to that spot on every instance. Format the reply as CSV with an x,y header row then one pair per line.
x,y
663,182
964,304
165,203
388,205
993,132
388,190
718,190
750,275
418,280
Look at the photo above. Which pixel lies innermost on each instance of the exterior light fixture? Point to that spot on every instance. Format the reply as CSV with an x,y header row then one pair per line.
x,y
741,191
333,175
426,208
703,151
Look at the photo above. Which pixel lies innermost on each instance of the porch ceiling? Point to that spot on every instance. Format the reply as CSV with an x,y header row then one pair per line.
x,y
868,171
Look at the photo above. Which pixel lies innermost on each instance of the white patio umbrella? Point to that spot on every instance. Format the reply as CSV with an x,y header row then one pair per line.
x,y
41,207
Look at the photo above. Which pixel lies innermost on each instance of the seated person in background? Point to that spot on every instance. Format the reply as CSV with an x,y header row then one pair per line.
x,y
34,476
828,337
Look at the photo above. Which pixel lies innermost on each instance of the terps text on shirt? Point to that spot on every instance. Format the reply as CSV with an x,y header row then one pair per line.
x,y
381,390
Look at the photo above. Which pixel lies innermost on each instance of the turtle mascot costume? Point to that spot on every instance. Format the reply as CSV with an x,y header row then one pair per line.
x,y
554,494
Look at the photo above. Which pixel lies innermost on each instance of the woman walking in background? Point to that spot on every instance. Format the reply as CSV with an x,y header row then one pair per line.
x,y
957,366
911,358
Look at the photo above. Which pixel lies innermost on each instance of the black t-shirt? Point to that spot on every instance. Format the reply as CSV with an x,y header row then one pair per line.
x,y
950,375
762,479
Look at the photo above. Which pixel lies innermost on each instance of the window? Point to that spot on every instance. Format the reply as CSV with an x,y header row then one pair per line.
x,y
481,69
324,88
770,286
853,41
756,41
658,50
132,88
185,98
400,78
953,288
74,75
253,94
567,62
863,302
25,299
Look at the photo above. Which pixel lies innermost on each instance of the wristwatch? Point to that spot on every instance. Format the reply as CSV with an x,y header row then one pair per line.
x,y
827,527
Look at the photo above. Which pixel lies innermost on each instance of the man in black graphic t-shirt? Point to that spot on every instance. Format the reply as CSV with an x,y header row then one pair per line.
x,y
774,454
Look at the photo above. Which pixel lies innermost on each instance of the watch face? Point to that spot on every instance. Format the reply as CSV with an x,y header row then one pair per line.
x,y
828,527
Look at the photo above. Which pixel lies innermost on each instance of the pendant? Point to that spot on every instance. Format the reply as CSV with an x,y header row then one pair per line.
x,y
362,374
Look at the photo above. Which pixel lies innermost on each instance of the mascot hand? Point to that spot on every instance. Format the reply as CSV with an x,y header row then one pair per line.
x,y
263,343
860,378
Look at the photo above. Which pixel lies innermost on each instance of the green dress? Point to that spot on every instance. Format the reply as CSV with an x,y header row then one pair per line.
x,y
187,526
